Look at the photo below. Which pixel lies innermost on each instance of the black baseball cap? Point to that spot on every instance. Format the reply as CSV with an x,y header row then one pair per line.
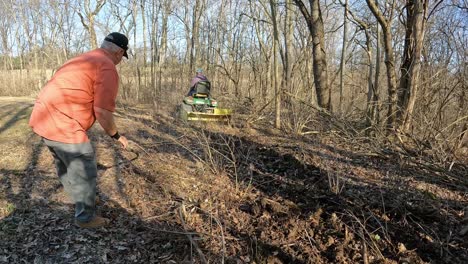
x,y
120,40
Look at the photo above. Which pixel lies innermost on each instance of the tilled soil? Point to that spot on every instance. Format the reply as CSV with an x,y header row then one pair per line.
x,y
204,193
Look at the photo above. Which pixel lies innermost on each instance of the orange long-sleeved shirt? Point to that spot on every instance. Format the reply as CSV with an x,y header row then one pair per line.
x,y
64,109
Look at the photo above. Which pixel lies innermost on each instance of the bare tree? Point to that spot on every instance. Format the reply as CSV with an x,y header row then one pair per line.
x,y
375,107
153,14
30,29
166,10
231,49
385,23
416,12
315,24
372,91
6,28
88,14
143,28
264,56
343,52
277,89
194,39
57,21
288,41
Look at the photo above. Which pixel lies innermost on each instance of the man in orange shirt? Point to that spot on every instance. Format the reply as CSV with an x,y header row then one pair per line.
x,y
82,91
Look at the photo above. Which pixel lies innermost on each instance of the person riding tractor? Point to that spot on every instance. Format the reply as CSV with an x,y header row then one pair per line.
x,y
199,105
199,78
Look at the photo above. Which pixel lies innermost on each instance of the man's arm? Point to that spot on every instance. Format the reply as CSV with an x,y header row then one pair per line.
x,y
106,120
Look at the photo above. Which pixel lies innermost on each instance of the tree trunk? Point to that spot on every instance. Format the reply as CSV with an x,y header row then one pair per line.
x,y
415,26
166,9
88,19
275,65
343,53
372,95
389,63
145,45
315,24
194,40
154,14
164,27
288,40
378,65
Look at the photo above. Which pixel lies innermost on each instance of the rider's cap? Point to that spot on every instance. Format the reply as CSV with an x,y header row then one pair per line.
x,y
120,40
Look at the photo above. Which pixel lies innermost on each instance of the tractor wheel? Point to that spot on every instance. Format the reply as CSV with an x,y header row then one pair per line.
x,y
182,111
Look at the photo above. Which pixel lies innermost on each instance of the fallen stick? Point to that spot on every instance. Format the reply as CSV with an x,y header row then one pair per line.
x,y
193,242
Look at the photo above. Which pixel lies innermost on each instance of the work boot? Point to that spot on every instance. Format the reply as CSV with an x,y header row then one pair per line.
x,y
97,221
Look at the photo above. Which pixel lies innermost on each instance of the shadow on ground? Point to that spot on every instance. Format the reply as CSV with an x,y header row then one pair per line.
x,y
239,200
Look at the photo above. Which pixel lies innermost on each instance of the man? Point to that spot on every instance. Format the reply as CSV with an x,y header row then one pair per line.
x,y
199,77
82,90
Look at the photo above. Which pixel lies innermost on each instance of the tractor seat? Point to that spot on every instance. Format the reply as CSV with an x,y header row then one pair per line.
x,y
202,89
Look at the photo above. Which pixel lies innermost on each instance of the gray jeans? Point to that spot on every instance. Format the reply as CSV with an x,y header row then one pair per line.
x,y
77,170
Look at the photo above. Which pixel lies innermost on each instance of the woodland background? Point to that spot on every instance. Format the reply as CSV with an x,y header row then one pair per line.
x,y
347,144
386,68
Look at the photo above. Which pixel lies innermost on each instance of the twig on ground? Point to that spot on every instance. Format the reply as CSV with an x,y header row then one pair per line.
x,y
251,120
136,144
172,232
221,228
363,233
364,249
192,241
156,216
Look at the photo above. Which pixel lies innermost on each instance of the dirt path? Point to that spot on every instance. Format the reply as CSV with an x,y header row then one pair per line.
x,y
220,194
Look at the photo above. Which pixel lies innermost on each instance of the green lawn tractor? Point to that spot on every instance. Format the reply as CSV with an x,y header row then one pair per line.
x,y
202,107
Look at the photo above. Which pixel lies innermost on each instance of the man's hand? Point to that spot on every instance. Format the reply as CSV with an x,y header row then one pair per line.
x,y
123,141
106,119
